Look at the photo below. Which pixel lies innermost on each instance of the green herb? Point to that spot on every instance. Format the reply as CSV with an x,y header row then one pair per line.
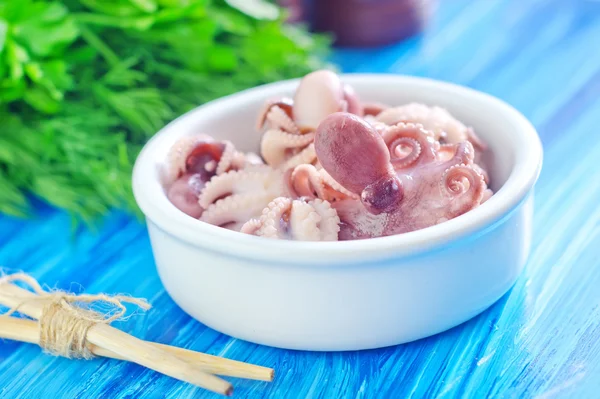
x,y
84,83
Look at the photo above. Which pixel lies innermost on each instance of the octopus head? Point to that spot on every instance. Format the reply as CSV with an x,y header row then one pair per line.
x,y
356,156
320,94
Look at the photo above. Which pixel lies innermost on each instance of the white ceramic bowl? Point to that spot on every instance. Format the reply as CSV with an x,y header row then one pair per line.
x,y
346,295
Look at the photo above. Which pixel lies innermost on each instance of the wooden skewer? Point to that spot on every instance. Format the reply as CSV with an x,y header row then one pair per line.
x,y
125,345
25,330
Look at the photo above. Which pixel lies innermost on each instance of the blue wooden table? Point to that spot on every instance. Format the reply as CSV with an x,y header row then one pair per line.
x,y
541,340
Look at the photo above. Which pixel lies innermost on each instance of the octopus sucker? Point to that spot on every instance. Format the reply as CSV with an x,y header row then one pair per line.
x,y
333,189
277,144
332,167
327,224
304,222
482,172
380,127
275,219
251,226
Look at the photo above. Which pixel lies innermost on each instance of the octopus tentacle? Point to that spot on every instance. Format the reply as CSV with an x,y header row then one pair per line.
x,y
482,172
321,224
307,182
352,102
336,187
236,208
192,162
230,159
409,136
276,212
179,153
276,144
464,153
306,156
251,226
379,126
285,104
280,119
258,178
284,218
445,127
304,222
453,184
446,152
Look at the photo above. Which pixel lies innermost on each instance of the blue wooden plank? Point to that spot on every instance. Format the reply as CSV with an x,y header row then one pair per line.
x,y
542,339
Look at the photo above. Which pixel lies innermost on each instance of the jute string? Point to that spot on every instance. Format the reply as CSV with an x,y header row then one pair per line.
x,y
64,324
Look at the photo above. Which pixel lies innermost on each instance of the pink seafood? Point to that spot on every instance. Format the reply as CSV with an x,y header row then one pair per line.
x,y
445,128
192,162
292,122
402,184
301,220
334,168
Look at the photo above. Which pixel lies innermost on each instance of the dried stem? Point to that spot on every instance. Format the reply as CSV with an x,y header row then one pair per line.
x,y
104,340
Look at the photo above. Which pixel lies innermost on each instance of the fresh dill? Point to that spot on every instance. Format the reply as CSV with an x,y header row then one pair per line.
x,y
84,83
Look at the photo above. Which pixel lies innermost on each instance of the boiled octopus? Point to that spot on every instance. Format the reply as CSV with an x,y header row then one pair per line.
x,y
288,141
334,168
232,198
403,182
296,219
192,162
446,129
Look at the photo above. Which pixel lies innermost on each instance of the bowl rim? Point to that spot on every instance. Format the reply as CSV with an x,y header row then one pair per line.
x,y
150,197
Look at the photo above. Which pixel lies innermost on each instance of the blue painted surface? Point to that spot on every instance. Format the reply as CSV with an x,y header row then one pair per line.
x,y
540,340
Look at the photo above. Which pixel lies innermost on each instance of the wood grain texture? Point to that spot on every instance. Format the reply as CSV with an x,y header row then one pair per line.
x,y
541,340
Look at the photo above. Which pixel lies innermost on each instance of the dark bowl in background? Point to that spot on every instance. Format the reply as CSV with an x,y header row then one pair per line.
x,y
362,23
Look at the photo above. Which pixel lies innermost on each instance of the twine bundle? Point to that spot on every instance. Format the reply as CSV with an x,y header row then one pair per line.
x,y
67,328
